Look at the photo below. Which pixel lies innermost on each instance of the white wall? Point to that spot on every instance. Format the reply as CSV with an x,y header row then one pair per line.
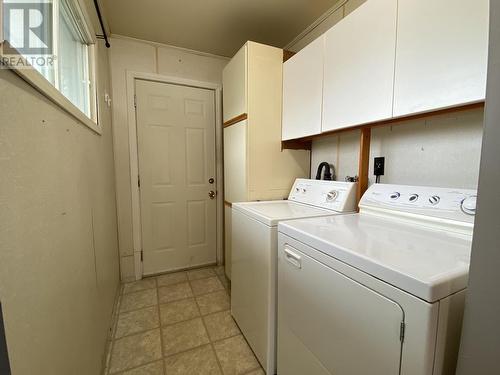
x,y
480,345
58,235
436,151
134,55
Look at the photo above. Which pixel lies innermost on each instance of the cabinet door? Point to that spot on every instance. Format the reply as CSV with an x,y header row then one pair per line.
x,y
330,324
234,84
441,55
227,239
303,92
235,162
359,66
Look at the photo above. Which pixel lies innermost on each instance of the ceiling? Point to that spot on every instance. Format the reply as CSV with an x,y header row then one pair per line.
x,y
214,26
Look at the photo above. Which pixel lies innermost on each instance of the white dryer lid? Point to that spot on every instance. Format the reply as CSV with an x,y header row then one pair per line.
x,y
271,212
428,263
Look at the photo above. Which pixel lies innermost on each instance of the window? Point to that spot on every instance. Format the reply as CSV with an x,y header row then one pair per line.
x,y
73,62
54,38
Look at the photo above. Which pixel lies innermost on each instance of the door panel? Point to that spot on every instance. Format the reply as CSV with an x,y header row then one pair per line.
x,y
441,55
176,150
234,81
359,66
332,324
303,91
235,162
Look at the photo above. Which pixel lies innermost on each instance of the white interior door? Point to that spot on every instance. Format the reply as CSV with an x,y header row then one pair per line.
x,y
176,151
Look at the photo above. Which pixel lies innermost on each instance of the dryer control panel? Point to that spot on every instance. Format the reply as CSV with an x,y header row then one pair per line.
x,y
332,195
443,203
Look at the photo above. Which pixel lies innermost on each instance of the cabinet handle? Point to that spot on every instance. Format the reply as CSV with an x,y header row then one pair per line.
x,y
293,258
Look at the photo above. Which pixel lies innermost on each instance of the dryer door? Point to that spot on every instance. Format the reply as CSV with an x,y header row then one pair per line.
x,y
330,324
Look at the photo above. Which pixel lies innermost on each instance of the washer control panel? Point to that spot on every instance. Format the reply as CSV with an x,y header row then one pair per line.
x,y
453,204
333,195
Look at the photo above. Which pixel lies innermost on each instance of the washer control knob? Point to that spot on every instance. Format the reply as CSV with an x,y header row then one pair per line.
x,y
297,190
413,198
304,191
469,205
434,200
395,196
332,195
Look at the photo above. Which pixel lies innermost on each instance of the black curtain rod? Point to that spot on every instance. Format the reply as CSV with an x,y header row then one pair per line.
x,y
98,10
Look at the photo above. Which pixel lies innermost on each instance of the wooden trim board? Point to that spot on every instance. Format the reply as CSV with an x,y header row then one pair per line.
x,y
235,120
294,143
287,55
364,161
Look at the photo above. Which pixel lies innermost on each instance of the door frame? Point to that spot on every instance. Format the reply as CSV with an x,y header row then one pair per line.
x,y
134,161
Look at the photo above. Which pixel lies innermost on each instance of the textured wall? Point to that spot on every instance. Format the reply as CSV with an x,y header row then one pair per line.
x,y
439,150
139,56
59,269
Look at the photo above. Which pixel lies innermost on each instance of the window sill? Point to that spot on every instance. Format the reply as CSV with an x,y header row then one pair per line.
x,y
35,79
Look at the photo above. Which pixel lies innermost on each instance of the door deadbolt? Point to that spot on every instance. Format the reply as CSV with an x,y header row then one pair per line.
x,y
211,194
211,180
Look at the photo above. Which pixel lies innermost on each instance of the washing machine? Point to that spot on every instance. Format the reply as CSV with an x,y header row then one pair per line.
x,y
380,292
255,251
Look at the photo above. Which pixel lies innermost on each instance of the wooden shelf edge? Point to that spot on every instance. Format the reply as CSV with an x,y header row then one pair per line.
x,y
364,162
229,204
296,145
287,55
393,121
235,120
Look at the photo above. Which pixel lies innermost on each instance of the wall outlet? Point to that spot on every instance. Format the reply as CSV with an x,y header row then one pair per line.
x,y
379,166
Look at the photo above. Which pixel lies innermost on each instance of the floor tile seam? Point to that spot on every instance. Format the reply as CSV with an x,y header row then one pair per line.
x,y
212,346
216,312
161,331
134,310
116,315
136,367
137,291
143,330
213,291
187,350
175,283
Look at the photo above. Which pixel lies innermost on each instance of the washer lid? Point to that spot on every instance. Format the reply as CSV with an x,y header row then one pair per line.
x,y
430,264
271,212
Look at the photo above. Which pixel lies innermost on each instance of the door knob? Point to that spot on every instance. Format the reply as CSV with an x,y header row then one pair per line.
x,y
211,194
211,180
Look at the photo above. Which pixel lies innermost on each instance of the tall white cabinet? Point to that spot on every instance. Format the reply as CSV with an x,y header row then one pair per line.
x,y
255,166
359,66
441,56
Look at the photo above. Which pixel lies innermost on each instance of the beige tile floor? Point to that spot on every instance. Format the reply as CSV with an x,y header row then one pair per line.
x,y
178,324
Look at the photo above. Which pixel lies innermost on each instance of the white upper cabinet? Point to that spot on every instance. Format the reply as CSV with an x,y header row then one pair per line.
x,y
235,83
359,66
303,92
441,56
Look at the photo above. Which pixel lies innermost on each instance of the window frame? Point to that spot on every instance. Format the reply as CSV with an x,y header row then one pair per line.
x,y
45,87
